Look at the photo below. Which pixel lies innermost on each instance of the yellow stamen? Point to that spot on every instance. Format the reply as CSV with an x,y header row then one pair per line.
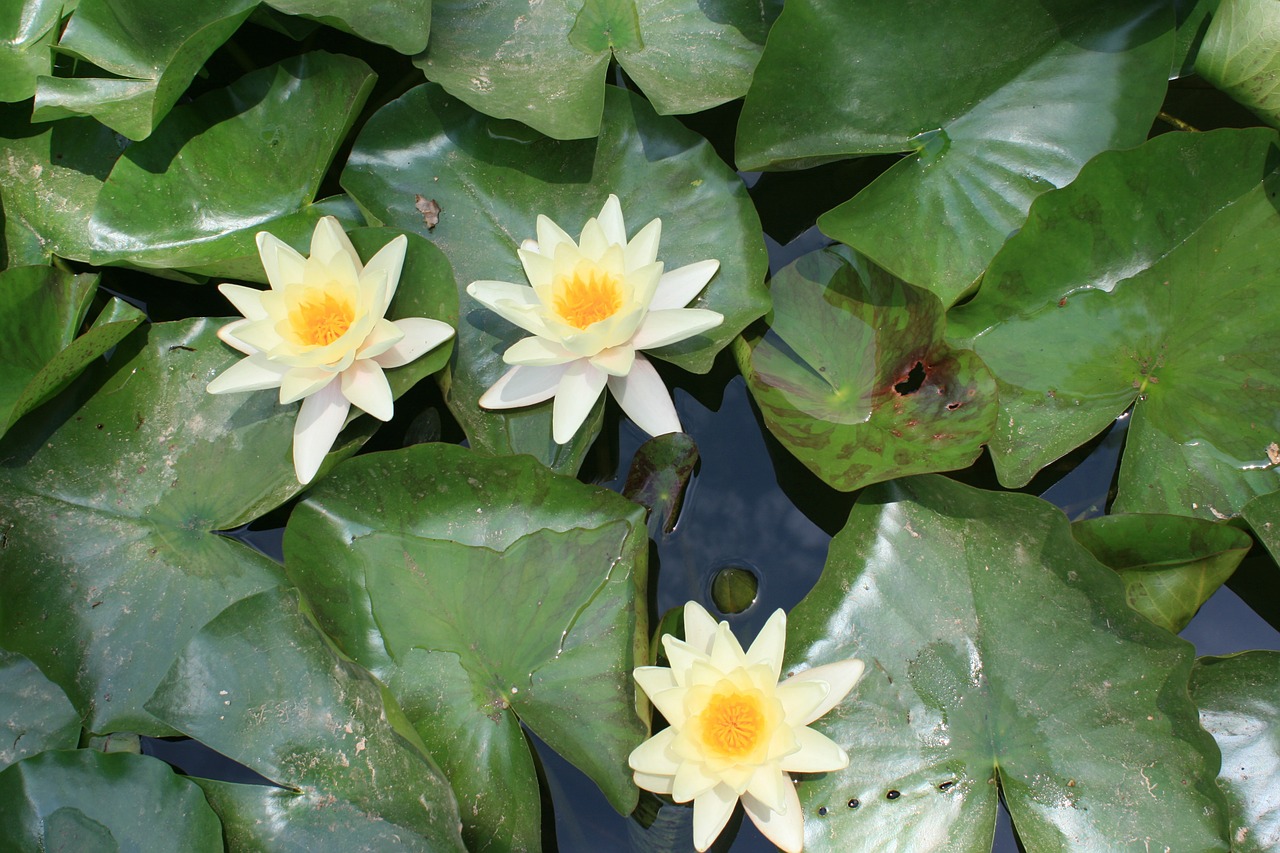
x,y
321,319
733,724
590,296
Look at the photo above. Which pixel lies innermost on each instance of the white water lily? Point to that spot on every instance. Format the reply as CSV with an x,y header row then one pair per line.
x,y
735,732
320,335
592,306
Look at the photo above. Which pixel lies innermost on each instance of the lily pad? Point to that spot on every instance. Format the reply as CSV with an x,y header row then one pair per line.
x,y
1239,699
231,163
1078,716
853,376
491,179
1263,515
997,101
35,714
1170,564
81,799
402,25
400,554
261,685
1160,295
150,49
544,64
1240,55
28,29
659,475
41,310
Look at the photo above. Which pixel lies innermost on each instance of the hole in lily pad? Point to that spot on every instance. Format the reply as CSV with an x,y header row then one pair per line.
x,y
734,588
913,380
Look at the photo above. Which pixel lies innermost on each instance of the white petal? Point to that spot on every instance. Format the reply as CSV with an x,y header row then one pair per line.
x,y
610,219
281,262
817,754
711,812
679,287
670,703
421,335
523,386
653,757
840,676
382,337
331,246
643,248
248,374
699,627
615,361
302,382
580,387
389,262
768,785
800,698
593,243
365,385
645,399
319,421
515,303
669,325
550,236
655,783
771,643
653,679
538,352
726,653
230,335
682,657
784,828
247,300
692,780
537,267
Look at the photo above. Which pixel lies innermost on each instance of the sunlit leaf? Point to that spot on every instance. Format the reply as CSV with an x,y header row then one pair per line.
x,y
260,684
487,593
35,714
1170,564
853,376
28,29
399,24
1240,55
491,179
997,101
1160,294
1239,699
998,651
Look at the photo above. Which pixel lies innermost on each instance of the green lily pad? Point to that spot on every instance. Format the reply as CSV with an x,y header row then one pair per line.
x,y
544,64
81,799
50,178
998,101
35,714
28,29
150,49
402,25
491,179
41,310
1263,515
1193,21
1239,699
486,593
1240,54
233,162
1170,564
998,651
261,685
1160,295
854,379
659,474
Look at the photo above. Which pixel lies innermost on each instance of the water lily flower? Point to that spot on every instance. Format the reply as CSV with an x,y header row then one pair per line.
x,y
592,306
735,732
320,335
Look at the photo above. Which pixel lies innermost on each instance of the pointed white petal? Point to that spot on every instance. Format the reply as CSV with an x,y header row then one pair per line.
x,y
281,262
711,812
785,828
388,262
726,653
692,781
537,267
319,421
610,219
365,385
670,703
247,300
771,643
654,757
538,352
841,676
651,782
682,657
817,754
768,784
699,627
580,387
550,236
645,399
230,335
515,303
679,286
248,374
643,248
329,243
421,335
382,337
523,386
653,679
800,698
669,325
302,382
615,361
593,243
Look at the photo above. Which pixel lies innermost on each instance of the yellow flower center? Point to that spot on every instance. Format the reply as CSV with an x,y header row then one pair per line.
x,y
733,724
321,319
590,296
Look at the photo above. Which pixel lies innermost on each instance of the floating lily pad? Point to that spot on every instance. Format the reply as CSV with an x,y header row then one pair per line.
x,y
1239,699
400,24
81,799
1263,515
491,179
1160,295
853,376
659,474
41,312
35,714
150,49
1170,564
28,29
1001,658
998,101
487,593
544,63
1240,55
233,162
